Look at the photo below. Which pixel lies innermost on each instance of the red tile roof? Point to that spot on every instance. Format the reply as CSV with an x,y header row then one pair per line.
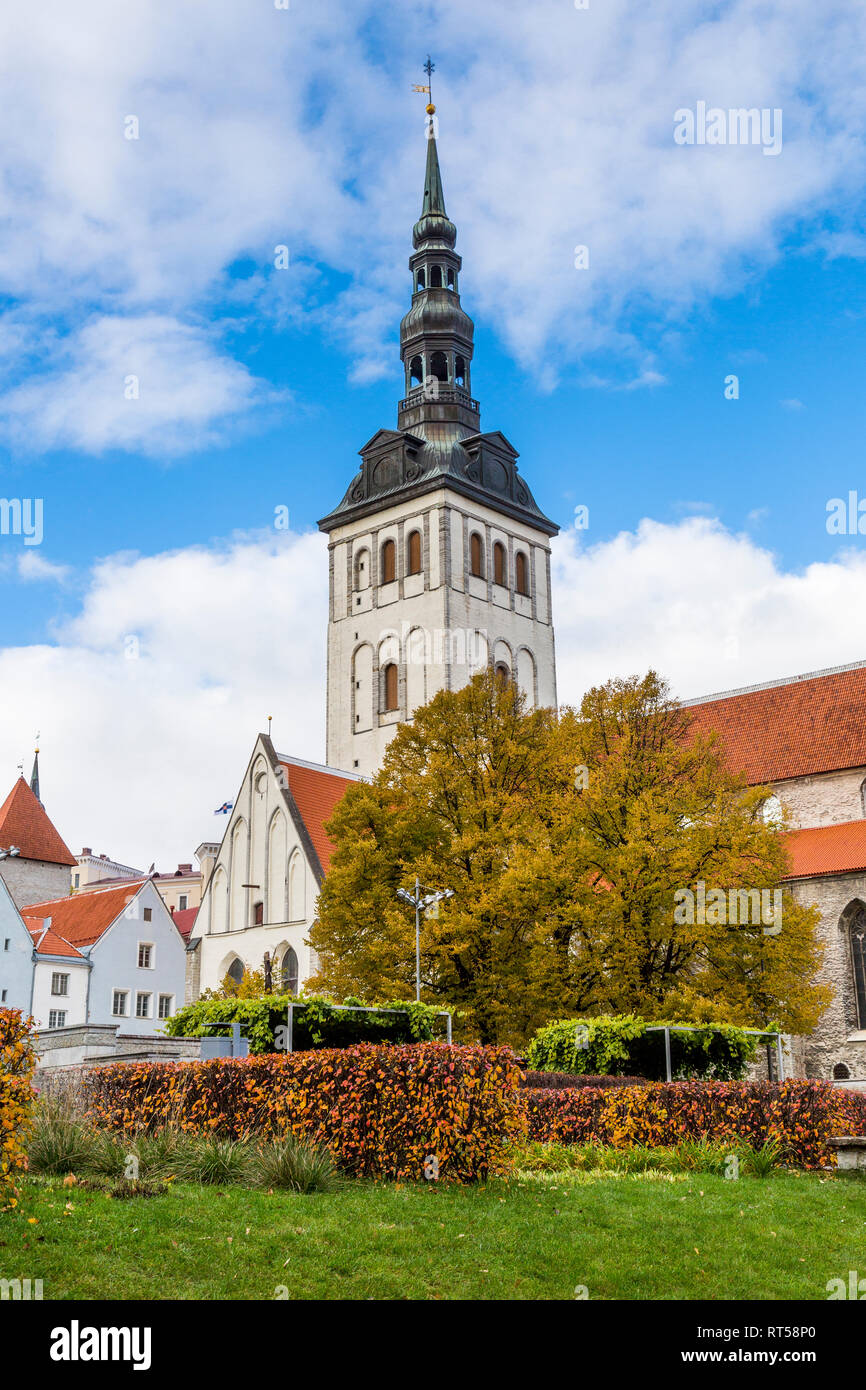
x,y
183,919
82,919
316,792
827,849
792,728
24,823
47,941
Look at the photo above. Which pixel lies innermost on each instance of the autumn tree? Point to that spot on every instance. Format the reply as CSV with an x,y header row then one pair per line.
x,y
565,840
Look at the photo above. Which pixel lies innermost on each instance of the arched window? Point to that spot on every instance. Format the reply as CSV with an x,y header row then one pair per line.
x,y
439,366
459,371
858,964
389,563
476,555
416,372
435,277
389,686
521,573
236,970
419,282
362,569
502,673
290,971
451,280
413,554
499,567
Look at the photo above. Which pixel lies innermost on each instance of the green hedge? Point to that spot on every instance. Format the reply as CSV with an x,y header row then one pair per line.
x,y
316,1022
617,1044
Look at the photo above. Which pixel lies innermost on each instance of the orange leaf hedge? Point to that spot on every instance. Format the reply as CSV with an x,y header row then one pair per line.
x,y
800,1115
381,1110
17,1062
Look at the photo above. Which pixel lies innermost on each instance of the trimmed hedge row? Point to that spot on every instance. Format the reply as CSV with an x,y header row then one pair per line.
x,y
381,1110
17,1062
618,1043
568,1081
799,1115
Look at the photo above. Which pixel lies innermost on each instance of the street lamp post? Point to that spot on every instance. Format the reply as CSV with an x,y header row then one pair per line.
x,y
421,898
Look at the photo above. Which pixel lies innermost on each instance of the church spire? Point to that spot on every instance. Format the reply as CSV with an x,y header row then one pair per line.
x,y
34,776
436,336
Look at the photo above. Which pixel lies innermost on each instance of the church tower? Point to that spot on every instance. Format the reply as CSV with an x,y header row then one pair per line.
x,y
439,555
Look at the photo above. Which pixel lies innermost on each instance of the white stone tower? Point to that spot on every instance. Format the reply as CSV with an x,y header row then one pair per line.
x,y
439,556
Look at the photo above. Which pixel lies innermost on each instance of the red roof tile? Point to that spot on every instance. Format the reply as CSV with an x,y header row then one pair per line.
x,y
23,822
47,941
82,919
183,919
827,849
809,724
316,792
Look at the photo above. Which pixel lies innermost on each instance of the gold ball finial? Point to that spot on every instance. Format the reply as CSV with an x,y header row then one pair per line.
x,y
431,109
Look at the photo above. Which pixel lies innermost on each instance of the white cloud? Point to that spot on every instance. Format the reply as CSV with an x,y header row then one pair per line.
x,y
33,568
152,696
261,127
146,383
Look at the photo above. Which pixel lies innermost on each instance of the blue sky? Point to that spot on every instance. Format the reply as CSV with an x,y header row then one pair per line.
x,y
707,553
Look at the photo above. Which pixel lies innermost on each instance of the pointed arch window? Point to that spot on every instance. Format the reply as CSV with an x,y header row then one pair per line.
x,y
236,970
389,563
413,553
858,964
499,565
289,970
389,687
521,573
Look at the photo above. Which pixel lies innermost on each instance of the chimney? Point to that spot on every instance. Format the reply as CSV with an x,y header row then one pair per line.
x,y
86,850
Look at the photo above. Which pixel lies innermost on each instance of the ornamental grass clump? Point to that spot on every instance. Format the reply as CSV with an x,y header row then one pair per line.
x,y
291,1164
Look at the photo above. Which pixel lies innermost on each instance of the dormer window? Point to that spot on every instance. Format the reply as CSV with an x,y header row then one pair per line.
x,y
389,563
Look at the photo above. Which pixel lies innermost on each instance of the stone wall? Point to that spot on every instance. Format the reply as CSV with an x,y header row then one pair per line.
x,y
193,971
34,880
93,1045
837,1038
825,799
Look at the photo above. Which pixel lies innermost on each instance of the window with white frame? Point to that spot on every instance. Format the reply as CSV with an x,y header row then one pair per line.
x,y
142,1005
59,983
120,1003
165,1003
57,1018
145,955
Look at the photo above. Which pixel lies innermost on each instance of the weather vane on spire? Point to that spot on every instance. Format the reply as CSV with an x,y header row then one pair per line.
x,y
429,68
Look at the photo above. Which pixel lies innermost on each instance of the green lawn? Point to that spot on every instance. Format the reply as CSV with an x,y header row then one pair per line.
x,y
537,1236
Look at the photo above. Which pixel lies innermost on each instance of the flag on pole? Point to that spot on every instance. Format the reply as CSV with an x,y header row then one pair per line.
x,y
224,809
